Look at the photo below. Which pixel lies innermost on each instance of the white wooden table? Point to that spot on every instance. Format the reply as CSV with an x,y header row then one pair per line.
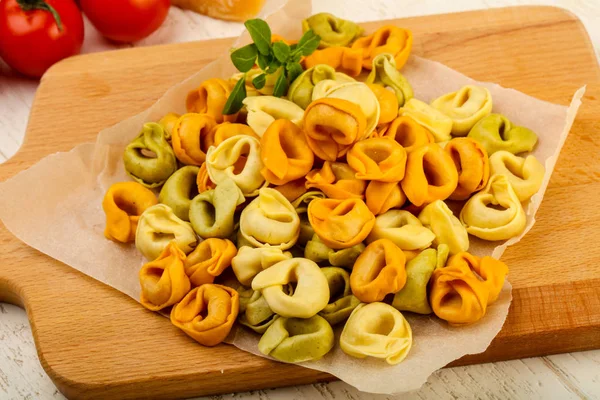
x,y
564,376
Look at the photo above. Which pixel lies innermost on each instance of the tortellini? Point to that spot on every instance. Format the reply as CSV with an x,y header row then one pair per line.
x,y
208,260
388,104
210,98
163,281
250,261
465,107
224,131
472,162
212,212
408,133
270,220
495,132
439,124
413,296
525,175
150,170
219,303
297,340
385,72
482,218
318,251
332,125
270,80
340,223
387,39
332,30
430,175
293,189
237,158
447,228
342,59
188,137
264,110
311,293
123,204
285,153
378,271
382,196
341,300
301,90
203,180
168,122
179,190
403,229
378,159
377,330
337,180
254,311
157,227
462,290
301,207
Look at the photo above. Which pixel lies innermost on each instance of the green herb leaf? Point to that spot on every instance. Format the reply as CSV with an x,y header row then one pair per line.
x,y
281,51
294,70
273,66
234,101
308,43
244,57
261,34
281,85
295,57
259,81
263,61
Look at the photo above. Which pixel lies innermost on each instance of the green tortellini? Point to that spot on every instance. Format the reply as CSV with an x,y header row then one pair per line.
x,y
332,30
341,300
413,296
495,132
212,213
157,227
318,251
254,311
301,90
403,229
297,340
385,73
301,206
179,190
154,167
447,228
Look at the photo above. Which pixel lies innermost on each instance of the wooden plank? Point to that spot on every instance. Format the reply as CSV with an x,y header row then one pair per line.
x,y
555,269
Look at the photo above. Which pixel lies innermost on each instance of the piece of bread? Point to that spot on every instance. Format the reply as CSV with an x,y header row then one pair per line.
x,y
231,10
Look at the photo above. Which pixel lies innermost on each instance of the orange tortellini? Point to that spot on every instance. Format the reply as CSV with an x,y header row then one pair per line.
x,y
383,196
408,133
472,162
343,59
188,137
378,159
224,131
337,180
203,180
387,39
208,260
123,204
388,103
210,98
285,153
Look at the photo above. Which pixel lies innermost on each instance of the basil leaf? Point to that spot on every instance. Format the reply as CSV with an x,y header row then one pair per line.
x,y
259,81
294,70
261,34
281,85
281,51
263,61
295,57
234,101
273,66
244,57
308,43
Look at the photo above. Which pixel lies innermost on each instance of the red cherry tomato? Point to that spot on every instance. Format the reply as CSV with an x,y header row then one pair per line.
x,y
30,37
126,20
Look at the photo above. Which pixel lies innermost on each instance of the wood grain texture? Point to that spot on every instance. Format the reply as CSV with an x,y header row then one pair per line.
x,y
95,342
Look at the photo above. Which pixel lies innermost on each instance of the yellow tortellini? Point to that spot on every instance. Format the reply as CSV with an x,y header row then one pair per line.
x,y
238,159
301,90
318,251
403,229
301,206
254,310
525,174
439,124
341,300
332,30
296,340
465,107
270,220
157,227
386,73
495,132
179,190
311,294
253,73
212,212
250,261
413,296
377,330
263,110
446,227
482,217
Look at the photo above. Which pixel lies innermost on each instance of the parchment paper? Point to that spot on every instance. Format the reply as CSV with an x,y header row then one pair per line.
x,y
55,207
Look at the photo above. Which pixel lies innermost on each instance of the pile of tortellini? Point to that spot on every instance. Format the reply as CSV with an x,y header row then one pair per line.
x,y
328,205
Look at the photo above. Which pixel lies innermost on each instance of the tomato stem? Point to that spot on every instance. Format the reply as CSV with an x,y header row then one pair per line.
x,y
28,5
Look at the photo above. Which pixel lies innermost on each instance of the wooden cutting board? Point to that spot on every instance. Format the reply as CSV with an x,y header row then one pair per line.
x,y
95,342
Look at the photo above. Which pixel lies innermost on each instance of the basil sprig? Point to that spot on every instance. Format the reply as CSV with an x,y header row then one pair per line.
x,y
270,57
